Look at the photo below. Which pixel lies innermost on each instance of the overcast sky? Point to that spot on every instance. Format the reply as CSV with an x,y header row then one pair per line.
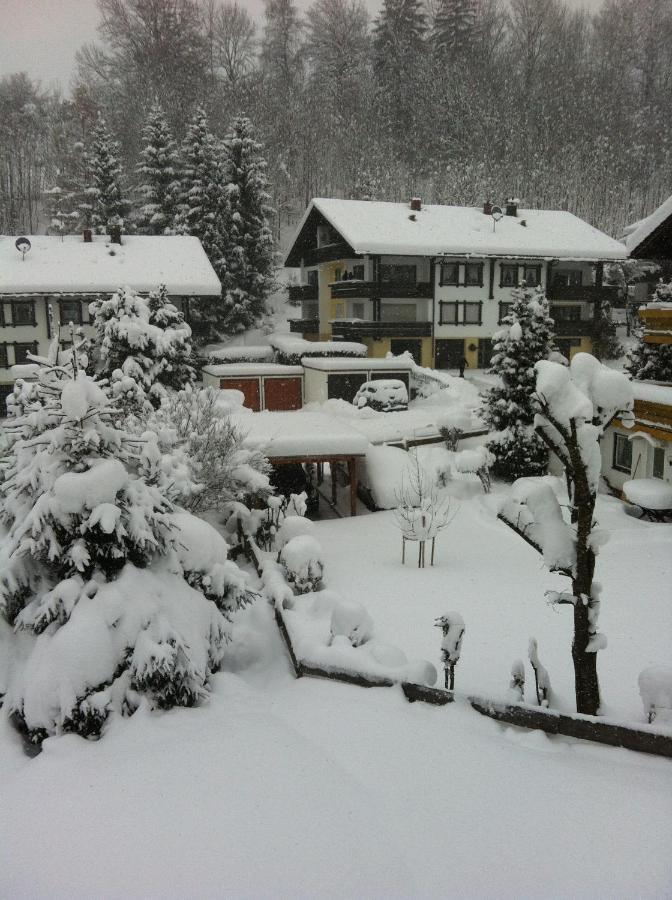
x,y
41,36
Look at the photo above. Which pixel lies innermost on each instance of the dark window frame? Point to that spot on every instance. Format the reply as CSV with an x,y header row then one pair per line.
x,y
508,266
460,304
4,359
442,280
33,349
618,443
442,304
23,304
473,265
2,314
502,313
658,452
75,321
395,279
537,269
479,304
564,308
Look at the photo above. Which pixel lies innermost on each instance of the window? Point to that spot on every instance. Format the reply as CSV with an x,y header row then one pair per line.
x,y
23,312
358,272
508,275
312,277
568,278
448,313
70,311
622,453
658,462
532,276
450,273
2,313
398,312
397,273
357,310
504,310
309,310
21,352
473,274
3,356
566,313
338,273
472,313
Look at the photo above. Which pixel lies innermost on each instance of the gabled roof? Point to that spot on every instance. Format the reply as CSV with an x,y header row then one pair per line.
x,y
143,262
388,228
645,239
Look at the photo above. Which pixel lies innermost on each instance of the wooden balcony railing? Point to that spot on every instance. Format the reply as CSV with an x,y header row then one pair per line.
x,y
582,293
384,290
575,328
305,326
298,292
355,330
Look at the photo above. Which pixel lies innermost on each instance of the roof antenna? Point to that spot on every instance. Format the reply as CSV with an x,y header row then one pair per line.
x,y
23,245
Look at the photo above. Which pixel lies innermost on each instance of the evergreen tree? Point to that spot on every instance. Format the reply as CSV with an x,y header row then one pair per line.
x,y
203,212
159,168
65,201
605,341
173,353
652,362
508,411
249,271
454,30
104,203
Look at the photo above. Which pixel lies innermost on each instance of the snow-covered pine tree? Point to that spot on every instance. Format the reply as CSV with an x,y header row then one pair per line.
x,y
203,212
159,169
94,544
142,347
249,270
605,340
454,27
508,409
104,195
66,204
652,362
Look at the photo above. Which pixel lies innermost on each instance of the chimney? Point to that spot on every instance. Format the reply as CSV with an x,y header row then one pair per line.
x,y
115,234
487,208
512,206
88,236
416,204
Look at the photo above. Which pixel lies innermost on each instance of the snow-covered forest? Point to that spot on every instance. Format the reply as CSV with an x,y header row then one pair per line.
x,y
456,100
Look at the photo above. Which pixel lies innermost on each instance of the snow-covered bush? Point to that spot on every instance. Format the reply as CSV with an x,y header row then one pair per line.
x,y
542,679
96,567
452,628
452,424
517,683
478,461
508,410
197,433
382,395
291,527
350,619
655,689
420,512
234,353
290,349
303,563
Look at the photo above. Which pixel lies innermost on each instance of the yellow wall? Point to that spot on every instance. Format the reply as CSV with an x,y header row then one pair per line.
x,y
586,346
471,356
378,349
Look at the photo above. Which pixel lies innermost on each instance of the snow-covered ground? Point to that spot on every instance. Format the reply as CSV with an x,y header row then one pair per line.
x,y
309,788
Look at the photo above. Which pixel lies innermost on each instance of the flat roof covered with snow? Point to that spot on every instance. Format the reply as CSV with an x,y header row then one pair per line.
x,y
650,392
354,364
301,434
373,227
69,265
241,370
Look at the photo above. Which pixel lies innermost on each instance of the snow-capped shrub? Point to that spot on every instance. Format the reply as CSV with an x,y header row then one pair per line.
x,y
350,620
655,689
291,527
302,561
542,679
452,628
452,424
517,683
383,395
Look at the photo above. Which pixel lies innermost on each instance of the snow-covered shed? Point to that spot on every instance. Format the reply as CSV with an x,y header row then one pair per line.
x,y
265,385
67,273
333,378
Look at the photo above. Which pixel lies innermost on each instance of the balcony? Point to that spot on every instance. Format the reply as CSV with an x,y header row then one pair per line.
x,y
583,293
657,324
385,290
354,331
299,292
305,326
576,328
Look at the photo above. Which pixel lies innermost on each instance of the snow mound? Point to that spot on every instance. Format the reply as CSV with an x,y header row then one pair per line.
x,y
655,689
350,619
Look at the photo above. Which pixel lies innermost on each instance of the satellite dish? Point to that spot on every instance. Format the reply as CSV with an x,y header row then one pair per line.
x,y
497,213
23,245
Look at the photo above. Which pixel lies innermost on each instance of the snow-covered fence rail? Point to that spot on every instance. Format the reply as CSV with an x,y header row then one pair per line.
x,y
645,739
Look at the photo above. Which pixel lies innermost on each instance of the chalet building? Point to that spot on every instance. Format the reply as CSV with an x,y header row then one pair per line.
x,y
437,280
651,238
64,274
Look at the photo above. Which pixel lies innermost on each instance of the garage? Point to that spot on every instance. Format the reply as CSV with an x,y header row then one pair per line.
x,y
333,378
264,386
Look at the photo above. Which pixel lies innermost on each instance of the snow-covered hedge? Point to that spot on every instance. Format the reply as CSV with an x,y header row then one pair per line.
x,y
290,349
241,354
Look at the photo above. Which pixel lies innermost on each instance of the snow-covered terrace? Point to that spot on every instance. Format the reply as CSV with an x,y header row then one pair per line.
x,y
70,265
372,227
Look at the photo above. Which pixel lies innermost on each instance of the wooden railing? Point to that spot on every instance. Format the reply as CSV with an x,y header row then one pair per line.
x,y
386,289
298,292
305,326
355,330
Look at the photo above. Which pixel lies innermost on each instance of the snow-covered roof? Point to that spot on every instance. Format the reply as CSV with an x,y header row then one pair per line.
x,y
638,232
394,229
650,392
354,364
70,265
300,434
241,370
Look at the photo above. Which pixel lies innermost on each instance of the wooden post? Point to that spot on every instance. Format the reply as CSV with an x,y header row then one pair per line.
x,y
433,543
403,550
352,467
332,469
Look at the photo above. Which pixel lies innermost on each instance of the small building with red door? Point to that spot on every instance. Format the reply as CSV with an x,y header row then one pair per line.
x,y
265,386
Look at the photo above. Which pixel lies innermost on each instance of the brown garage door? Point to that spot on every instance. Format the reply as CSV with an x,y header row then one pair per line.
x,y
282,393
249,387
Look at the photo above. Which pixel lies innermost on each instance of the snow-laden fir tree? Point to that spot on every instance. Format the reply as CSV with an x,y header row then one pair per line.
x,y
249,269
203,212
159,170
508,411
66,204
112,592
652,362
104,202
142,347
454,27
